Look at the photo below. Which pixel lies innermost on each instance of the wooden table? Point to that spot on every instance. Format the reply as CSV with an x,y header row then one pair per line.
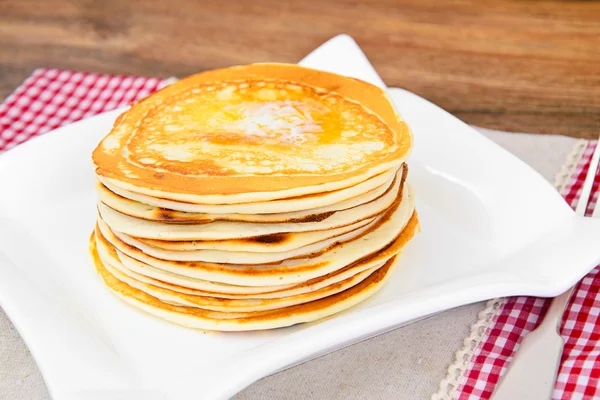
x,y
529,66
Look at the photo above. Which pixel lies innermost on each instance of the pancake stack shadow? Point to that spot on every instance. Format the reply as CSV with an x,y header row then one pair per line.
x,y
212,220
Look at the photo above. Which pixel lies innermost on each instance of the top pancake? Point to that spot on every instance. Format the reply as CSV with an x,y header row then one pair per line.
x,y
253,133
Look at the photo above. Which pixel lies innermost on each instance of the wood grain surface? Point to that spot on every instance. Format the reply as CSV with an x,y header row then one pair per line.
x,y
528,66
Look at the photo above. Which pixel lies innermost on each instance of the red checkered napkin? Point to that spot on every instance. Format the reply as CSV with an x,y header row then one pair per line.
x,y
579,374
50,98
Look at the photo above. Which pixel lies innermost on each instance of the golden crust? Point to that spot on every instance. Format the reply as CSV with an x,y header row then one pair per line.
x,y
200,318
136,209
194,138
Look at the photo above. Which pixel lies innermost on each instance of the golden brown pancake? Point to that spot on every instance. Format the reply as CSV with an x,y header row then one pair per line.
x,y
223,230
214,303
253,133
148,212
273,243
246,257
150,275
392,234
267,243
199,318
329,199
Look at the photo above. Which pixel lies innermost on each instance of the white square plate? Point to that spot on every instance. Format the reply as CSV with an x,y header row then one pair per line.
x,y
491,226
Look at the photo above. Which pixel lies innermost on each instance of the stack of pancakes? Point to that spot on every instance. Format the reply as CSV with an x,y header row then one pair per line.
x,y
253,197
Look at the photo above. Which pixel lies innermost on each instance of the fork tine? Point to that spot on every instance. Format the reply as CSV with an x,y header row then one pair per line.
x,y
586,190
596,211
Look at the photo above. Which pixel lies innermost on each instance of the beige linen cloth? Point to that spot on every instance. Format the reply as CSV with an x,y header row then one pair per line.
x,y
406,363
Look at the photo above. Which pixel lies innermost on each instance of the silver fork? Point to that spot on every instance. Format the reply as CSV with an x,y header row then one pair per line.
x,y
532,373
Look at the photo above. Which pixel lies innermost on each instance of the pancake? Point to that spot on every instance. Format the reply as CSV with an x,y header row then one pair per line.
x,y
234,305
148,212
180,280
266,243
300,203
244,257
199,318
108,255
253,133
182,284
274,243
397,228
219,230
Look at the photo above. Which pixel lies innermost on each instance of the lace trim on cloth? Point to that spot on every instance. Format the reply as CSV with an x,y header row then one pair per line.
x,y
566,171
463,359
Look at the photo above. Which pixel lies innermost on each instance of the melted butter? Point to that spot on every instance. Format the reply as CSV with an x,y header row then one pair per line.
x,y
276,116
